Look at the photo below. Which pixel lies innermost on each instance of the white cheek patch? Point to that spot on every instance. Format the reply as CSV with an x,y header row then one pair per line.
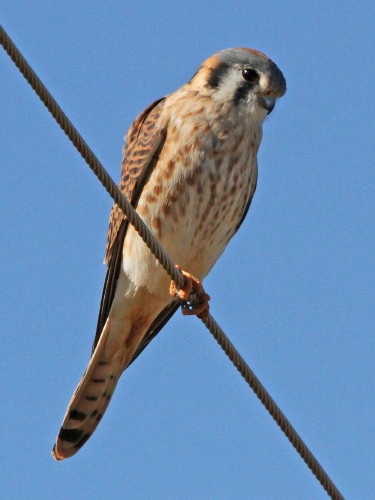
x,y
228,85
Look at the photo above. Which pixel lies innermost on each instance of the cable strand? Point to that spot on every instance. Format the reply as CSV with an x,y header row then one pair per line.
x,y
167,263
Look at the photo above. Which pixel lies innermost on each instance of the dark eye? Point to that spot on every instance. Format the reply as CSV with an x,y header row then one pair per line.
x,y
250,75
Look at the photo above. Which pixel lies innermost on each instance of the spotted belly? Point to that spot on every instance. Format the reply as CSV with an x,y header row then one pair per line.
x,y
193,210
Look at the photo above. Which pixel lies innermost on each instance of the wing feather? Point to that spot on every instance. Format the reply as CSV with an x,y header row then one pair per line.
x,y
142,144
144,141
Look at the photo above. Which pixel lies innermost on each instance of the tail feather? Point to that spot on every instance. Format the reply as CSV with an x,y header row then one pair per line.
x,y
89,401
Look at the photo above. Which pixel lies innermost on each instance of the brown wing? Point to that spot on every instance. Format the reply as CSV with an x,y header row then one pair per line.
x,y
144,142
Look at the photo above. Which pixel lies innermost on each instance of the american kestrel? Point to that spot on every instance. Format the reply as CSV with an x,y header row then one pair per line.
x,y
190,170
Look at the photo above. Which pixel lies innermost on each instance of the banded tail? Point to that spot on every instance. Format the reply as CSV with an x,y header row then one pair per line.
x,y
90,401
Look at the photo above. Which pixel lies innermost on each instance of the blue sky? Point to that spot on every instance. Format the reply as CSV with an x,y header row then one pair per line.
x,y
294,290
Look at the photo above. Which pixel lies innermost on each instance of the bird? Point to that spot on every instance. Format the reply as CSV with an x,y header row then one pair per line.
x,y
190,170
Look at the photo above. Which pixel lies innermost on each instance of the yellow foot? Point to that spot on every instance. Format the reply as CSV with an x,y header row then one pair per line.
x,y
195,299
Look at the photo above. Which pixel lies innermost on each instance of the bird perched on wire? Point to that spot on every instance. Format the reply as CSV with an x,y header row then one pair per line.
x,y
190,170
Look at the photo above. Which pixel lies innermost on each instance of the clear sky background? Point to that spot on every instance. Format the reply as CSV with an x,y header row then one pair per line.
x,y
294,290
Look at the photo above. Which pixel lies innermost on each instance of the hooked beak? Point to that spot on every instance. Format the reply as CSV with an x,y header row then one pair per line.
x,y
268,103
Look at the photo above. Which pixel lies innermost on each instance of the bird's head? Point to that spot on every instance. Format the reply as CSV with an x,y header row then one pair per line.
x,y
241,76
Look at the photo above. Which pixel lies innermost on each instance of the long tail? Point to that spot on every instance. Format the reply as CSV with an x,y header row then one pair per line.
x,y
90,400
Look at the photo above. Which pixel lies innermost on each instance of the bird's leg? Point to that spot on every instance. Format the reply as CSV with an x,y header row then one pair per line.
x,y
192,294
